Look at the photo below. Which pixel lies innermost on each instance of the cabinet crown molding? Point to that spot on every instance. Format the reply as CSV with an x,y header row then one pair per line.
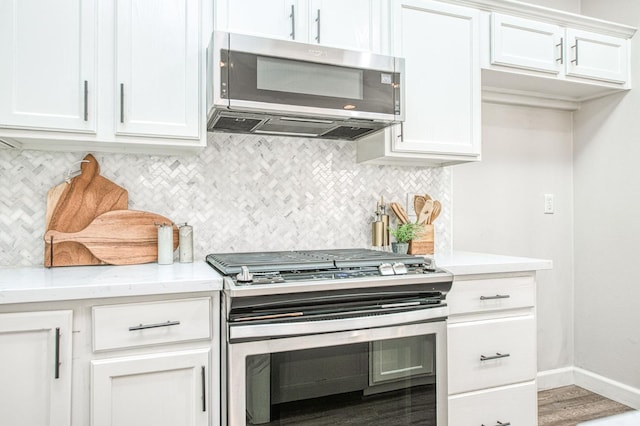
x,y
559,17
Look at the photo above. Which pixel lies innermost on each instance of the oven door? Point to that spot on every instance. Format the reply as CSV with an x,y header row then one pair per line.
x,y
392,374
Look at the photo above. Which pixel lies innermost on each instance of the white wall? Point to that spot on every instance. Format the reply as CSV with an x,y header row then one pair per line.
x,y
607,225
498,208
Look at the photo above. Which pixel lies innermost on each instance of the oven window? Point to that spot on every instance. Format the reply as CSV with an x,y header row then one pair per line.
x,y
308,78
386,382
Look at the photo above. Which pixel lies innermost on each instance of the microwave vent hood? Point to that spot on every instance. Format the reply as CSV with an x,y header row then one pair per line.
x,y
276,87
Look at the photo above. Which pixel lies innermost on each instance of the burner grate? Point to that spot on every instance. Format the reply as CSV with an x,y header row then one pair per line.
x,y
306,260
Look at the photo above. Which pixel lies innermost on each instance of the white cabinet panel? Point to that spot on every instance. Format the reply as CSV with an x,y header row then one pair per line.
x,y
597,56
48,68
267,18
442,80
157,67
355,24
484,354
515,405
143,324
526,43
34,391
494,294
168,389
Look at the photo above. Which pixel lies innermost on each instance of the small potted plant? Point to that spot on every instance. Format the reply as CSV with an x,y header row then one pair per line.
x,y
403,234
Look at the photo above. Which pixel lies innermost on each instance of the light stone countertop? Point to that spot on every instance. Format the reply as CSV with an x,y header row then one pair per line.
x,y
471,263
39,284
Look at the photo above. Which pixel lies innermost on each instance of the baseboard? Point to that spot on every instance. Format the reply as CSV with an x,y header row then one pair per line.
x,y
608,388
556,378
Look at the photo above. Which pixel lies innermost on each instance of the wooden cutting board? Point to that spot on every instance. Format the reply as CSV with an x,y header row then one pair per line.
x,y
119,237
71,207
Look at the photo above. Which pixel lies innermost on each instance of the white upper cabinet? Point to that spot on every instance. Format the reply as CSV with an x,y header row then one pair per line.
x,y
549,58
439,42
157,66
525,43
597,56
48,68
354,24
146,95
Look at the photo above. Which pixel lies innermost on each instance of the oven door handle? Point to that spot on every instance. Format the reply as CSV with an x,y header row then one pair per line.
x,y
248,331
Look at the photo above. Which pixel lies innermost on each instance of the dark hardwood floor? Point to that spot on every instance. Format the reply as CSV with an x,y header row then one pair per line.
x,y
570,405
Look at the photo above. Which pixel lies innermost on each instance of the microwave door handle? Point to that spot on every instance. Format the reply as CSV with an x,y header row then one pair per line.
x,y
318,27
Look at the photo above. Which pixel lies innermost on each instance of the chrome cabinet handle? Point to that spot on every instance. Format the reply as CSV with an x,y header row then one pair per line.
x,y
496,356
575,46
56,370
561,58
497,296
204,389
499,423
86,100
293,22
401,135
318,26
158,325
121,102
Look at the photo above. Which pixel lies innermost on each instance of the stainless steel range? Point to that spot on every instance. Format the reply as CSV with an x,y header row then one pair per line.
x,y
326,337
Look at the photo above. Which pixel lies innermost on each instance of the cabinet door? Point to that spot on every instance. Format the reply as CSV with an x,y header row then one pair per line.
x,y
515,405
164,389
157,68
35,377
527,44
47,72
282,19
597,56
353,24
440,45
396,359
488,353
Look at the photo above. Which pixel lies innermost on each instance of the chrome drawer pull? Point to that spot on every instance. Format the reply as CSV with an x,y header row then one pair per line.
x,y
497,296
501,424
145,326
496,356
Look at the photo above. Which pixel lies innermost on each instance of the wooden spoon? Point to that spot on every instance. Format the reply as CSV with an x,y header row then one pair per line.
x,y
400,213
418,203
437,208
425,214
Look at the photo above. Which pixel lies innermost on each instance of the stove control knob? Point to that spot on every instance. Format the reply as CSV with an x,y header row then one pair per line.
x,y
399,268
386,269
244,276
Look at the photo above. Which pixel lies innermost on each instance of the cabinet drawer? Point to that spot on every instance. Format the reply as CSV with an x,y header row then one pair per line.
x,y
515,404
484,354
491,295
142,324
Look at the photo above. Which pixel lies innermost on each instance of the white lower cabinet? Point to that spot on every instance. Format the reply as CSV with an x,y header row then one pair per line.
x,y
514,404
166,389
35,374
492,354
139,374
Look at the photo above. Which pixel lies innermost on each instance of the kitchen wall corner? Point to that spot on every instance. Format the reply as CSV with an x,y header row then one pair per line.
x,y
241,193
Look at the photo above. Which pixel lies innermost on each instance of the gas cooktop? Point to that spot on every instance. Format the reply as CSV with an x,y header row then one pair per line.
x,y
313,265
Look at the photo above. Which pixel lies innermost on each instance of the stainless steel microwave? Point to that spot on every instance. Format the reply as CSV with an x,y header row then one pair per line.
x,y
267,86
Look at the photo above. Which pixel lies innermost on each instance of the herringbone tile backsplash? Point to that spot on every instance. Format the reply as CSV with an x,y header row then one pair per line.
x,y
241,193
